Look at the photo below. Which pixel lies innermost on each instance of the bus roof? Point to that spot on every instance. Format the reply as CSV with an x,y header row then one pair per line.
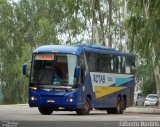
x,y
78,49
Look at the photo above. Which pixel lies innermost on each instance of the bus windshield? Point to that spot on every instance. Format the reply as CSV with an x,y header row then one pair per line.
x,y
51,69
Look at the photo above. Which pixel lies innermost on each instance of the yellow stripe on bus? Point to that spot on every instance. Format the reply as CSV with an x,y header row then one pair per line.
x,y
101,91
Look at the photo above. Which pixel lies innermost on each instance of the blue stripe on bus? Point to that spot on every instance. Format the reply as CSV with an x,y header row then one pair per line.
x,y
122,81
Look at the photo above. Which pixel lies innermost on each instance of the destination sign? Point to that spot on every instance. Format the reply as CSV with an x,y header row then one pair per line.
x,y
44,57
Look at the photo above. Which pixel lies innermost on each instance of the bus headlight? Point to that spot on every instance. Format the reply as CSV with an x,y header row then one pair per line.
x,y
70,99
33,88
33,98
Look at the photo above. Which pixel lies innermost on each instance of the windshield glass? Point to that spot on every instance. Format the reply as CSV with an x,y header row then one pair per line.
x,y
152,96
54,69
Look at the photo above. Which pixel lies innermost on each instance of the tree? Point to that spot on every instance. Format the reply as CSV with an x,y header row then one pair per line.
x,y
27,24
16,91
24,26
144,31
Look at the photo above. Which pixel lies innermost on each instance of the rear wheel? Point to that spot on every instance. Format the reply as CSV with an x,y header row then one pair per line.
x,y
86,109
119,108
45,110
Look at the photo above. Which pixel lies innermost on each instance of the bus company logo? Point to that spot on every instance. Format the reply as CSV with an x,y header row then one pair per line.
x,y
98,78
102,79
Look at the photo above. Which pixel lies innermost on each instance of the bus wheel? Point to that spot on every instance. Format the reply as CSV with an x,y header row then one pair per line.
x,y
45,110
119,108
86,109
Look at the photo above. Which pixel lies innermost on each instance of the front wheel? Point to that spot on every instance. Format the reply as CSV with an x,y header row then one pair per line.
x,y
45,110
86,109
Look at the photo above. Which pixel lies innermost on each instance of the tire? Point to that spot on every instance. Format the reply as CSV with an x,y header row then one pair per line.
x,y
45,110
123,106
119,108
86,109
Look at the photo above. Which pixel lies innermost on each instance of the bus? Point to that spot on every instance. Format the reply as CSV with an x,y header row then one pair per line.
x,y
80,78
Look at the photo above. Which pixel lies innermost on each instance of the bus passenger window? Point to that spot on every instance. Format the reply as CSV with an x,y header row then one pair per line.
x,y
91,60
108,62
133,66
115,64
128,65
122,65
83,69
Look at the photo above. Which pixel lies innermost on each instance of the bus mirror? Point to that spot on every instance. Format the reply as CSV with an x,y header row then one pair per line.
x,y
77,72
24,69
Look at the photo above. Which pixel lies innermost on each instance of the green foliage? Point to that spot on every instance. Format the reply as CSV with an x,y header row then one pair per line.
x,y
27,24
149,87
143,26
15,90
145,76
22,30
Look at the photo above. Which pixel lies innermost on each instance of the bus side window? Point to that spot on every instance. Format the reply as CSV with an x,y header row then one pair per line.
x,y
91,61
128,66
132,66
83,68
99,63
115,64
119,64
122,65
108,63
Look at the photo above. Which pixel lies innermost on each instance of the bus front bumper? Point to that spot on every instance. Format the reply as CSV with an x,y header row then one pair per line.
x,y
37,99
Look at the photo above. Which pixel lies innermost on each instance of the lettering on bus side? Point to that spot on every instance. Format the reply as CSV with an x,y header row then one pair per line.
x,y
99,78
110,79
102,79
